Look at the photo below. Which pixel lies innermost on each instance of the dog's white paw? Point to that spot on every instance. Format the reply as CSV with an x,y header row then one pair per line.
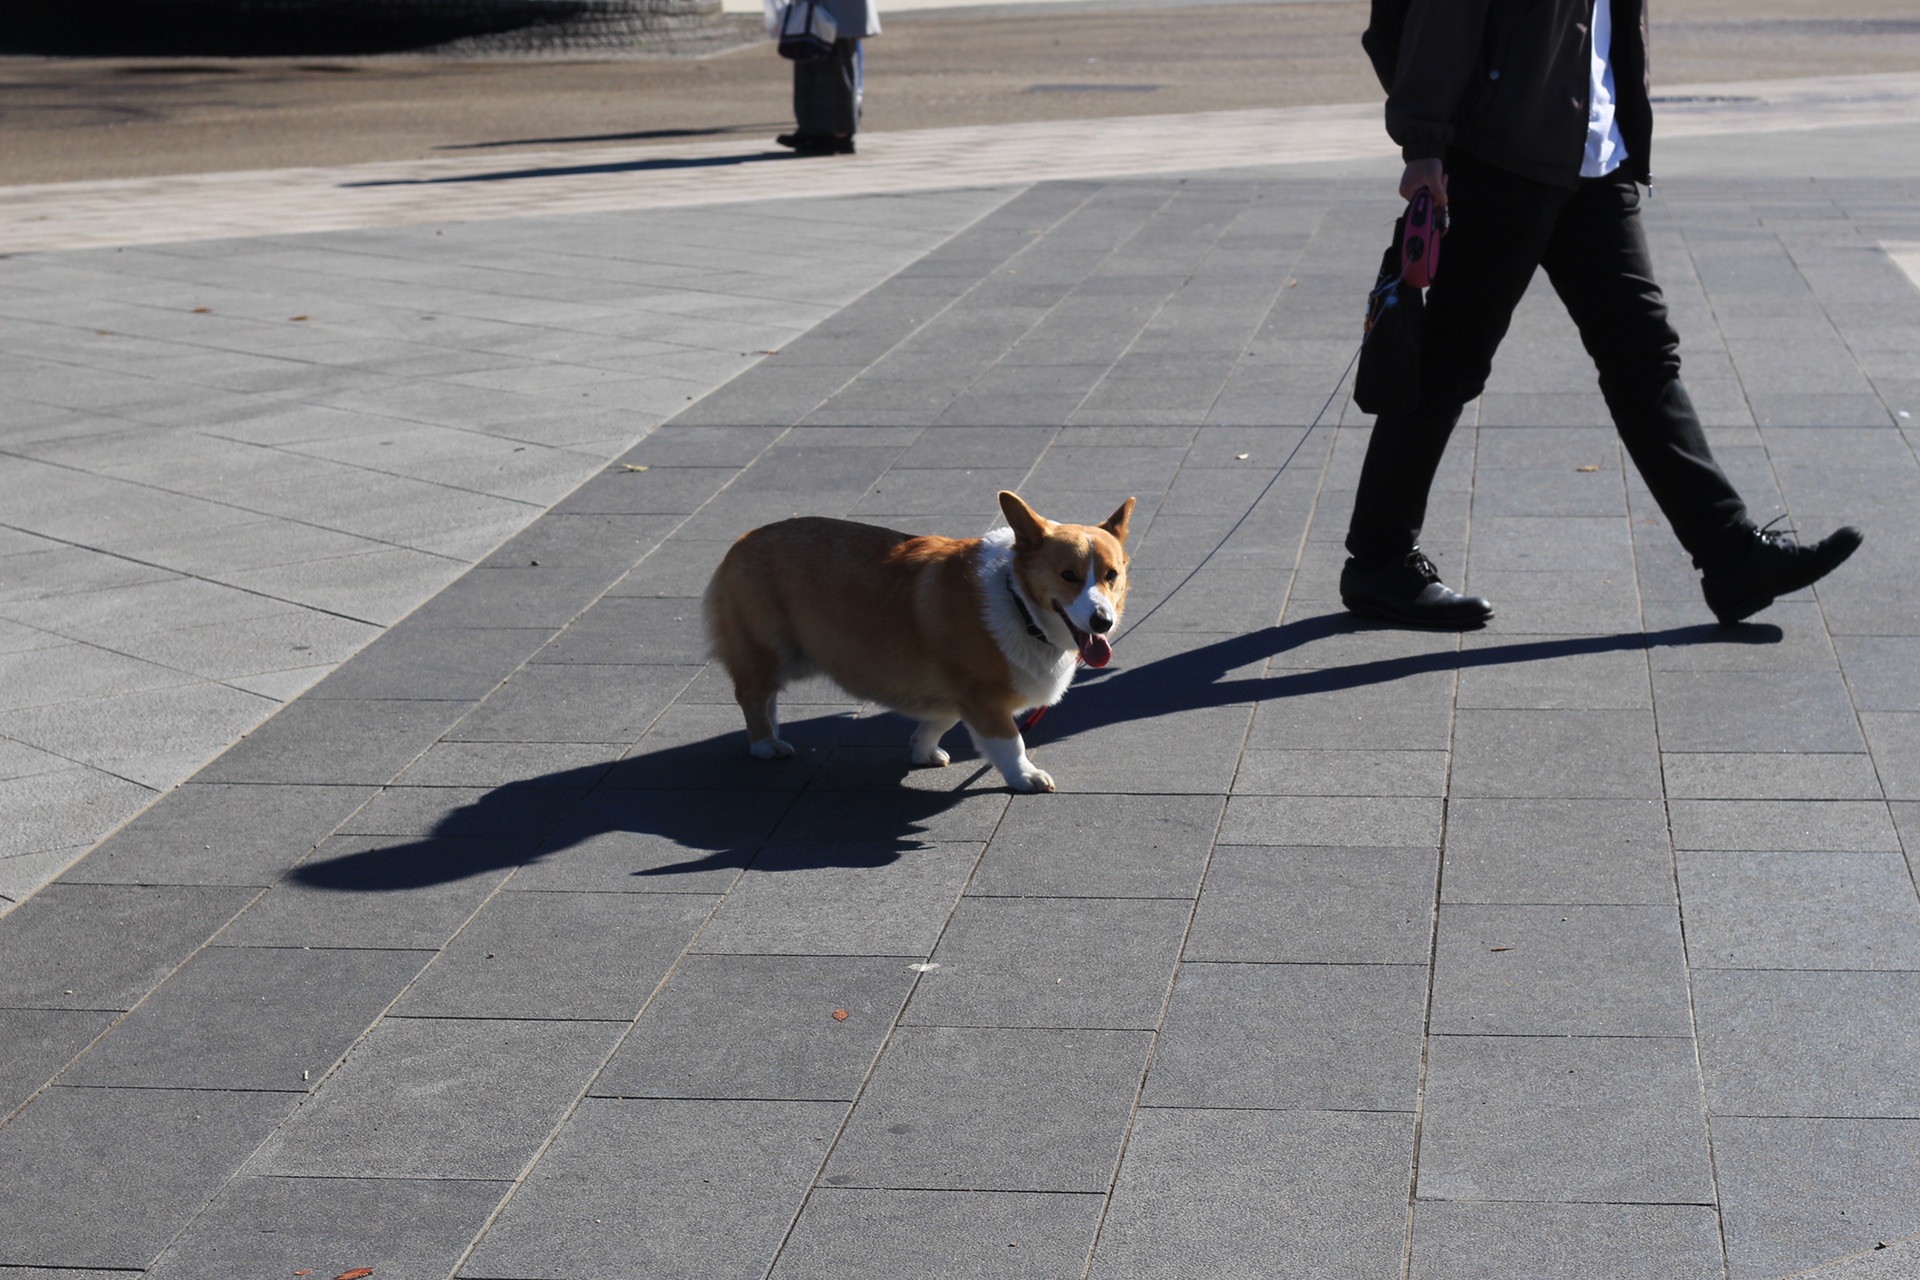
x,y
936,758
1035,780
771,749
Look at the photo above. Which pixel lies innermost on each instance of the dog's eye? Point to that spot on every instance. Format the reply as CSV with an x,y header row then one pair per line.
x,y
1069,575
1113,575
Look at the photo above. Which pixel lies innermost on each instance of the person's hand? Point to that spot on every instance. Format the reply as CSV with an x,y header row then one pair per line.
x,y
1428,174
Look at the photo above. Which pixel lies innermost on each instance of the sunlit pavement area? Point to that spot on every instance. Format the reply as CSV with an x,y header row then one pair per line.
x,y
388,884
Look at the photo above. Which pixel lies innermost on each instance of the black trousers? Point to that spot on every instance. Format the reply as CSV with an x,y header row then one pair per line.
x,y
1594,251
826,99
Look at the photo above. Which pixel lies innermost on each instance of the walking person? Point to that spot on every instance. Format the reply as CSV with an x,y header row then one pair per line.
x,y
1530,121
827,90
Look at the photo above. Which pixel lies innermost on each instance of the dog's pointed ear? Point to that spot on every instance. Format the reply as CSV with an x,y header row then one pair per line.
x,y
1028,525
1116,524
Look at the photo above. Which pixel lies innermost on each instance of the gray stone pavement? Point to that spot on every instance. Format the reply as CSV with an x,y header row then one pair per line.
x,y
227,466
1584,946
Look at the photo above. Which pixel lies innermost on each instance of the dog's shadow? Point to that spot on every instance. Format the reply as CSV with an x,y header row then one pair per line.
x,y
679,815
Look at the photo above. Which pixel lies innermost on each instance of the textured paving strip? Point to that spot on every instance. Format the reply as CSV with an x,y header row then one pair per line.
x,y
443,191
1586,945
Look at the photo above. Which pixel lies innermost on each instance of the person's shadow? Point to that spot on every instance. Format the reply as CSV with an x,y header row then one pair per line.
x,y
712,807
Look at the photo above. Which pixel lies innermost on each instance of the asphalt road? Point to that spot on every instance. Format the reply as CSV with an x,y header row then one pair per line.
x,y
69,119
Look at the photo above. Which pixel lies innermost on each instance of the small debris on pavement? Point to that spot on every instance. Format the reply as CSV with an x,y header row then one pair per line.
x,y
358,1273
1499,948
841,1015
1587,468
628,466
917,968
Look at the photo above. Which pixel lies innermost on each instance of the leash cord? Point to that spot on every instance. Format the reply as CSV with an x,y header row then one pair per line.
x,y
1248,514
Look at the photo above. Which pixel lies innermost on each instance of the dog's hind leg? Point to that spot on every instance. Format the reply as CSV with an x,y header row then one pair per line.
x,y
926,741
756,687
763,727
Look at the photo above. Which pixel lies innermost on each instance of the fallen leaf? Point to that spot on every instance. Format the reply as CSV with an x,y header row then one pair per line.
x,y
358,1273
1593,468
303,318
630,467
201,311
841,1015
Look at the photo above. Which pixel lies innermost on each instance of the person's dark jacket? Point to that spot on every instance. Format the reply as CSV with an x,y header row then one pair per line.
x,y
1508,81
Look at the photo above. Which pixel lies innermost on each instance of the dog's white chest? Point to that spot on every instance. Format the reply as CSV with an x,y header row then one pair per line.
x,y
1041,671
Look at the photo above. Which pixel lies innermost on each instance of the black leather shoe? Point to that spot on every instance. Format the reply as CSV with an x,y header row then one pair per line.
x,y
1410,592
809,144
1774,567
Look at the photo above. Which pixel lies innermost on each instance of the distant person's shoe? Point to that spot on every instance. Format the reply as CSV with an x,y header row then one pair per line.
x,y
1775,566
1410,592
808,144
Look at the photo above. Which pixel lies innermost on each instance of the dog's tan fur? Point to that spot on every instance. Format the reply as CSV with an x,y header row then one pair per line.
x,y
924,625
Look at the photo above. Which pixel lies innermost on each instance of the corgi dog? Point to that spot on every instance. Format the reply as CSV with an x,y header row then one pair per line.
x,y
944,630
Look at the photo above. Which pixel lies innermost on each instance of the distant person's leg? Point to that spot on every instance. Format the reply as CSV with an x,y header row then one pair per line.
x,y
826,106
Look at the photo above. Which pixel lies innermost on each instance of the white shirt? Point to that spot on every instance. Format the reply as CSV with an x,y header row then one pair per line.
x,y
1605,149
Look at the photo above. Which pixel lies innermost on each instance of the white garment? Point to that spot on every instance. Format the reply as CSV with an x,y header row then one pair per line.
x,y
1605,148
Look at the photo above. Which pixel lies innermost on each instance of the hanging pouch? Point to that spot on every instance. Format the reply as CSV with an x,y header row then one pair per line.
x,y
1388,379
807,31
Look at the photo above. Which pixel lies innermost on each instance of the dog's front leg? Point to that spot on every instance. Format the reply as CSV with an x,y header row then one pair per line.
x,y
926,742
998,739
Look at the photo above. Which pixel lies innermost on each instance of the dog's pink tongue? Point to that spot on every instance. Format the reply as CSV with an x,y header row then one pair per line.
x,y
1096,652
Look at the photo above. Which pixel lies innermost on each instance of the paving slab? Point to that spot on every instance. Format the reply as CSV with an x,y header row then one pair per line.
x,y
1800,1192
927,1120
1259,1193
247,1018
382,1114
913,1234
107,1177
1565,1241
679,1188
259,1226
1530,971
1576,1119
761,1027
1296,1037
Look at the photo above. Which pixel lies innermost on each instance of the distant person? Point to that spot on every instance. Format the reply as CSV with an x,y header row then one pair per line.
x,y
827,91
1531,121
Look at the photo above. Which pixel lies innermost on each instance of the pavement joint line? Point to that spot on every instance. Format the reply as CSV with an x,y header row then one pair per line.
x,y
120,212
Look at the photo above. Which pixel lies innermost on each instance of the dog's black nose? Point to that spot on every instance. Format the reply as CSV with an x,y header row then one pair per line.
x,y
1101,623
